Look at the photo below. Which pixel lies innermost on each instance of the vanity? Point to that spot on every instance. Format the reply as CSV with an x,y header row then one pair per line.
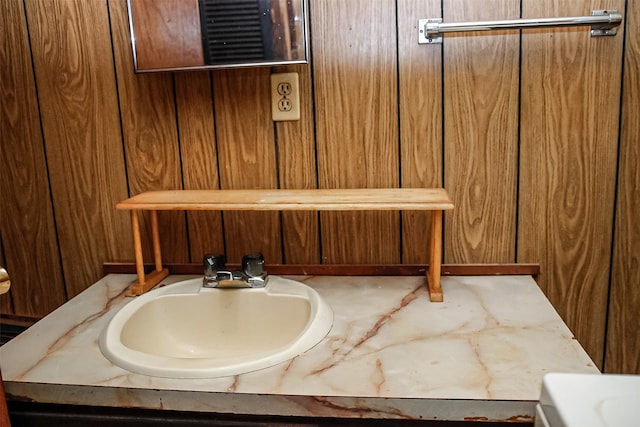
x,y
391,354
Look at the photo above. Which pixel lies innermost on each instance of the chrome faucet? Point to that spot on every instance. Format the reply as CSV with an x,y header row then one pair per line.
x,y
216,274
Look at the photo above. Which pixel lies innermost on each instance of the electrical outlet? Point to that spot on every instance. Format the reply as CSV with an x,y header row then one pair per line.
x,y
284,89
285,97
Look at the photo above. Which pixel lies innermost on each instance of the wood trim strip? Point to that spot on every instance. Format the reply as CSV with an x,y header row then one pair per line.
x,y
351,269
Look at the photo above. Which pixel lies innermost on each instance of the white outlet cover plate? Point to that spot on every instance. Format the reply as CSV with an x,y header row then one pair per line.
x,y
291,99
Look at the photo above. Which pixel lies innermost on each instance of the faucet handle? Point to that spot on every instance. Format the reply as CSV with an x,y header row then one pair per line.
x,y
253,265
212,263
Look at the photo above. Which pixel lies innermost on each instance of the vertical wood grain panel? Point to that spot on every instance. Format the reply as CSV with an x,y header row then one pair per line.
x,y
420,106
247,157
568,156
623,340
79,113
481,134
27,227
148,116
199,158
297,169
356,122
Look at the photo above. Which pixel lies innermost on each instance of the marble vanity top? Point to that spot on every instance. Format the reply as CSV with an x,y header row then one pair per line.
x,y
391,353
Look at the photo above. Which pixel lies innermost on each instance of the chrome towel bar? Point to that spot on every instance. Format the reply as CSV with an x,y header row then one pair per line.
x,y
602,22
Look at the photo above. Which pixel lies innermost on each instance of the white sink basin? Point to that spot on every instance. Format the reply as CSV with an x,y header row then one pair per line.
x,y
186,331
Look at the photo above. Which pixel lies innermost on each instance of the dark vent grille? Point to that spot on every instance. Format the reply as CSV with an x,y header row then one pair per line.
x,y
235,30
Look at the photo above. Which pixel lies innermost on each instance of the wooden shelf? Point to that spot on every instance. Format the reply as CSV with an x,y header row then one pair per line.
x,y
297,200
365,199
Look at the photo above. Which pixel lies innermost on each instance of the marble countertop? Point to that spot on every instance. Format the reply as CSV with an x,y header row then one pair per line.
x,y
391,353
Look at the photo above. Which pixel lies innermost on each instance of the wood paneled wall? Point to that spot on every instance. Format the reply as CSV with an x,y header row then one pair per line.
x,y
623,342
481,87
568,164
27,226
534,134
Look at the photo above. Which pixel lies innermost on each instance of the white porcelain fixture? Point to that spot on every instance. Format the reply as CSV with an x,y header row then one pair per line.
x,y
582,400
186,331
